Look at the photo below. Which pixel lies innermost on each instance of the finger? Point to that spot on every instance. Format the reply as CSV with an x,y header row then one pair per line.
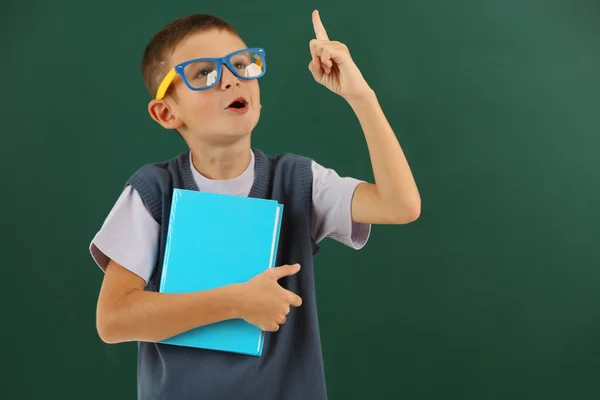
x,y
313,48
320,31
317,51
331,52
326,57
321,64
315,68
285,270
282,320
294,299
270,327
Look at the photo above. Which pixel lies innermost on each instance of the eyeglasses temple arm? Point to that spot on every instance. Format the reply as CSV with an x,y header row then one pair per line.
x,y
162,89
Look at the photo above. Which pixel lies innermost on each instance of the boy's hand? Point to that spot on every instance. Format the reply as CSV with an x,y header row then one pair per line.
x,y
265,303
332,66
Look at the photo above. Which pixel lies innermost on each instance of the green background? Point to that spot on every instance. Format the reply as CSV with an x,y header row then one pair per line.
x,y
491,294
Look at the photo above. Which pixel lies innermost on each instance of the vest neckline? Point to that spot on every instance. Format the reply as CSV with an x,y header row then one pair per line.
x,y
261,174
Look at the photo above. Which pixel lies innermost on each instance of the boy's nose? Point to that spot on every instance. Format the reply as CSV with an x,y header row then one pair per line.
x,y
228,79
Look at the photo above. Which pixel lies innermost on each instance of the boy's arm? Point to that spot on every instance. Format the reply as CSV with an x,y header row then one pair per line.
x,y
394,198
126,312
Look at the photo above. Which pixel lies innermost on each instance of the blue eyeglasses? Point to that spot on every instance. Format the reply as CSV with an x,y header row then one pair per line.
x,y
204,73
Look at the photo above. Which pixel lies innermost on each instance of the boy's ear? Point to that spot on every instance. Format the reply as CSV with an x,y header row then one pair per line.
x,y
161,112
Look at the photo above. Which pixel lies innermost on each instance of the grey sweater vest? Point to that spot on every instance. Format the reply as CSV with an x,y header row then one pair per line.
x,y
291,366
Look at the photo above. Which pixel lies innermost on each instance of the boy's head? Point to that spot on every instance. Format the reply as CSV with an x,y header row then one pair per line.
x,y
200,115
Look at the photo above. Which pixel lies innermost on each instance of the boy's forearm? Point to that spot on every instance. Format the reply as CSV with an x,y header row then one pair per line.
x,y
152,317
392,173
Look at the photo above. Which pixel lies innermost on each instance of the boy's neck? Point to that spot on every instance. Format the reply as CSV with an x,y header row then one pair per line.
x,y
221,162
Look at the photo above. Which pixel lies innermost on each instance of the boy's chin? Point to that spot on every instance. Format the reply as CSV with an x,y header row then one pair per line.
x,y
228,133
239,129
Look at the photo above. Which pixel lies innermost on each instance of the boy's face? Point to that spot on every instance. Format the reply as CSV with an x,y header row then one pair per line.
x,y
204,114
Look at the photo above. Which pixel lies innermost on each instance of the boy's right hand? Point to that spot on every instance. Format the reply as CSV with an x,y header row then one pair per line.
x,y
264,302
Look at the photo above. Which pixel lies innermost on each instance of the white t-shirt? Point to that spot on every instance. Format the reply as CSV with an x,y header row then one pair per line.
x,y
130,235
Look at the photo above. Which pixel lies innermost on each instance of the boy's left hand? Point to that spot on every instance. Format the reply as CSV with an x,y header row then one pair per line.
x,y
333,67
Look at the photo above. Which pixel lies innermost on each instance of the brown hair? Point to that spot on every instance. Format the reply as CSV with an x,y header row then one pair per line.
x,y
163,44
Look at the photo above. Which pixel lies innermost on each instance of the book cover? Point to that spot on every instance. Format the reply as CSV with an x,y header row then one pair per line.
x,y
216,240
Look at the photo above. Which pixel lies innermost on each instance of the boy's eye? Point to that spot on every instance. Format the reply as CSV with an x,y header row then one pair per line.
x,y
202,73
240,65
199,70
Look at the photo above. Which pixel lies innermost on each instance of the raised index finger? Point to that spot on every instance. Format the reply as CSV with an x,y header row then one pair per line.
x,y
320,31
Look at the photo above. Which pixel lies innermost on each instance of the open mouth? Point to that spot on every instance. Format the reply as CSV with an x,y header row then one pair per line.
x,y
238,103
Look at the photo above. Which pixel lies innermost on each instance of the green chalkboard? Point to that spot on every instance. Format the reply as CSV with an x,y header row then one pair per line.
x,y
491,294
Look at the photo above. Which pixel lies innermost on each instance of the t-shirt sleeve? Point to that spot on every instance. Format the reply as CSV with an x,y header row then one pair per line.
x,y
129,236
332,208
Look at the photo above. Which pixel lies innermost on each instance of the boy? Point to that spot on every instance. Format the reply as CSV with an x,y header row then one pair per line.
x,y
212,99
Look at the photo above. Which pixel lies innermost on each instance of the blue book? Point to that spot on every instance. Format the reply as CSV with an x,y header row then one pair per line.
x,y
216,240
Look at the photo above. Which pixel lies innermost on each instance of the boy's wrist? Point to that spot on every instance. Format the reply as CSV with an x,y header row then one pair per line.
x,y
236,303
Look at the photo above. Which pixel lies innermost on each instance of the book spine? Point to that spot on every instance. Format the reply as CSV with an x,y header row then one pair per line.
x,y
163,278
